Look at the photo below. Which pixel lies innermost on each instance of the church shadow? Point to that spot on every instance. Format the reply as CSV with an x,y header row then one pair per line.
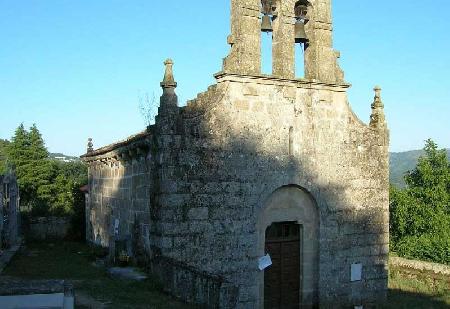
x,y
409,300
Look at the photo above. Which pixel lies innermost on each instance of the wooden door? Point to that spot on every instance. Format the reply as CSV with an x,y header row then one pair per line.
x,y
282,278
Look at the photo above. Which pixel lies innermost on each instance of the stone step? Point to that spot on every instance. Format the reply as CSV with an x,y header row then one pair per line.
x,y
47,301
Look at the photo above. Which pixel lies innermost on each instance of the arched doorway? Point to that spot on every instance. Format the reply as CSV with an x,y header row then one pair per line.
x,y
288,228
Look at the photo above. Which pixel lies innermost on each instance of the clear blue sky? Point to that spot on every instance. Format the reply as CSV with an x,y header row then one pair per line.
x,y
76,68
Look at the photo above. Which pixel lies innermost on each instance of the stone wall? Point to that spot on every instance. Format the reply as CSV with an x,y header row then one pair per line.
x,y
420,265
234,149
118,204
9,210
1,210
48,228
193,285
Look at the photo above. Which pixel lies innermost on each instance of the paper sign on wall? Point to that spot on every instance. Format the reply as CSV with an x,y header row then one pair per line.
x,y
264,262
356,272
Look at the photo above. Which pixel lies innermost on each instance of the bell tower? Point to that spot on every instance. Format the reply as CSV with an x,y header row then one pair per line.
x,y
245,38
290,21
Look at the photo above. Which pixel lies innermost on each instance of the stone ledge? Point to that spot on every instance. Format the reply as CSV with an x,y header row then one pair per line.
x,y
273,80
15,286
420,265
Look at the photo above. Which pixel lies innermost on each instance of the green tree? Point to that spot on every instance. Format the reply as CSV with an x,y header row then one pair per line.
x,y
420,213
76,170
3,156
48,186
70,177
29,157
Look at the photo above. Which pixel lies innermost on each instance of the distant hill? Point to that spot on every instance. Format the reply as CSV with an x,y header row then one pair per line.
x,y
63,157
401,162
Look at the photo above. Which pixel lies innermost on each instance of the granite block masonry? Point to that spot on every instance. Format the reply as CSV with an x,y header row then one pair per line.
x,y
9,211
257,164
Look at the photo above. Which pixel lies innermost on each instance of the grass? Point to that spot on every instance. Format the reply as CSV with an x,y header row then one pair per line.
x,y
417,289
73,262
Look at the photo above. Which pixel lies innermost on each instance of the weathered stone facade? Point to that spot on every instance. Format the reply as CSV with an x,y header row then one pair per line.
x,y
194,194
9,211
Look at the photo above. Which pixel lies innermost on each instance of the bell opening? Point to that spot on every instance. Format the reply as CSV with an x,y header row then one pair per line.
x,y
299,60
301,17
266,53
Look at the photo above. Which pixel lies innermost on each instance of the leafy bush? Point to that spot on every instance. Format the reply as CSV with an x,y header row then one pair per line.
x,y
426,247
420,213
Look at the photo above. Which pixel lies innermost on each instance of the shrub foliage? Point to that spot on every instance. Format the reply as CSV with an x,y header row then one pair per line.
x,y
420,213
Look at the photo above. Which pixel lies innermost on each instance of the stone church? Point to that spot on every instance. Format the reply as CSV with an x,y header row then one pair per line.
x,y
265,191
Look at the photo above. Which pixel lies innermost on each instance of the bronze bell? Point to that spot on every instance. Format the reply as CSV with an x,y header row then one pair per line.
x,y
266,24
300,34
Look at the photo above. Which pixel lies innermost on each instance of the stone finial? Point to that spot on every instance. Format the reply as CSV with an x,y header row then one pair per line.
x,y
169,99
169,81
377,119
377,103
90,145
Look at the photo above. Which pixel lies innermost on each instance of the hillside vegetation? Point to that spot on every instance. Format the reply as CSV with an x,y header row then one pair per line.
x,y
402,162
420,212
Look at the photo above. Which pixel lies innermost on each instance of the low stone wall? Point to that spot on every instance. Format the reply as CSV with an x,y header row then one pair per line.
x,y
18,293
420,265
193,286
48,228
14,286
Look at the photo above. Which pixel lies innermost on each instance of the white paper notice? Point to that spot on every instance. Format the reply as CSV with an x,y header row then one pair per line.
x,y
356,272
264,262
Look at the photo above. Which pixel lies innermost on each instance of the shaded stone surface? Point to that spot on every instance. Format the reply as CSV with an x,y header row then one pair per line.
x,y
14,286
48,228
129,273
9,211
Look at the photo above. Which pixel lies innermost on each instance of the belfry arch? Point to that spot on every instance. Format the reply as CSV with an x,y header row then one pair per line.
x,y
291,206
302,10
